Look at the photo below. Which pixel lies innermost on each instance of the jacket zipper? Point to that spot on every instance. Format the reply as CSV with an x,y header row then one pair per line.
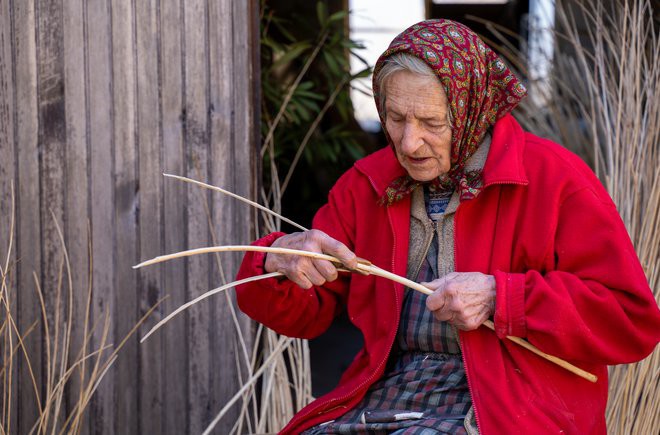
x,y
460,341
393,336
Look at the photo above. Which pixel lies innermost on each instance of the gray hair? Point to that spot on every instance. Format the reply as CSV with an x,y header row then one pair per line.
x,y
402,62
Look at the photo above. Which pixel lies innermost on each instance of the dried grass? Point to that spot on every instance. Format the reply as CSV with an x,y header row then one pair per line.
x,y
59,367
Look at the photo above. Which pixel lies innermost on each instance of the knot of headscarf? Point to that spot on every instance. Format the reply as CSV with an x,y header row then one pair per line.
x,y
468,186
480,90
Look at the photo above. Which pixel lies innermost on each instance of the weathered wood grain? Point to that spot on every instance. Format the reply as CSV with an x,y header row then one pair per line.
x,y
8,413
229,130
76,184
175,415
97,99
99,91
28,234
197,142
223,350
50,79
124,85
152,383
7,150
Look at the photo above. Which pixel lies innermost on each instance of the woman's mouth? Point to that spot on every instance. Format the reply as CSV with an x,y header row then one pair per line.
x,y
418,160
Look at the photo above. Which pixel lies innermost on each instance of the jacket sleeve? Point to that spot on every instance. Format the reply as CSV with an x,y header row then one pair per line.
x,y
285,307
595,304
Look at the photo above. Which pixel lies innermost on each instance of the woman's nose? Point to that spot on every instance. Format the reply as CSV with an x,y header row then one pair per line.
x,y
411,139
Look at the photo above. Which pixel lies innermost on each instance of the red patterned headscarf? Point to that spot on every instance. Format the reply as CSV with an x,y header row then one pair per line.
x,y
480,90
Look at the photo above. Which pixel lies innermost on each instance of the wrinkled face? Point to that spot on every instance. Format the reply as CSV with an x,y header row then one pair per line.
x,y
416,118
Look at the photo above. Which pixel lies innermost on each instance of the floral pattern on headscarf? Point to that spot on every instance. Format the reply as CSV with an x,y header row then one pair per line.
x,y
480,90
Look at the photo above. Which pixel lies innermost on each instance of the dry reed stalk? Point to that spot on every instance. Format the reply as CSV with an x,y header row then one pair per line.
x,y
199,298
259,407
59,370
616,71
286,386
233,195
249,397
283,342
291,384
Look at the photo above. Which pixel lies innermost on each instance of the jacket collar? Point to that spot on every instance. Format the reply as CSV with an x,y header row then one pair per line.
x,y
504,164
381,167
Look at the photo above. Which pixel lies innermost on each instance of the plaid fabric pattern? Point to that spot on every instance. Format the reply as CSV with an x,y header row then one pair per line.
x,y
425,376
419,331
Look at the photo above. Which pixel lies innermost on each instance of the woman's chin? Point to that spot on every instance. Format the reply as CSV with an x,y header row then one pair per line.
x,y
423,174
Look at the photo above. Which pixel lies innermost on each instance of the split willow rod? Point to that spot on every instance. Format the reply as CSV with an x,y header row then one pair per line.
x,y
363,267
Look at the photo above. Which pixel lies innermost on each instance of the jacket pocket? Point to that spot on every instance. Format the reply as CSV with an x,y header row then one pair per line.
x,y
553,417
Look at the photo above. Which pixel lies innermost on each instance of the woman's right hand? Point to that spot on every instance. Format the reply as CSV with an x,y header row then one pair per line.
x,y
306,271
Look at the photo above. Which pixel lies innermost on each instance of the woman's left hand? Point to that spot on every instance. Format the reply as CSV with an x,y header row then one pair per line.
x,y
463,299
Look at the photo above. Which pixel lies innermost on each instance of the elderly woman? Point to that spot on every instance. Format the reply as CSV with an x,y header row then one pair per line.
x,y
499,223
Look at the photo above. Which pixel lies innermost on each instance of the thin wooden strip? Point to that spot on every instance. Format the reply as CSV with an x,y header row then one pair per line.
x,y
240,198
560,362
363,266
238,248
282,344
420,288
203,296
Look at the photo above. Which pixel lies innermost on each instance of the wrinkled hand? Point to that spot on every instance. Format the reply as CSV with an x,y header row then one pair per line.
x,y
306,271
463,299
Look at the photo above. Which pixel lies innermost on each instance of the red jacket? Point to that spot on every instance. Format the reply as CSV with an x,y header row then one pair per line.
x,y
568,281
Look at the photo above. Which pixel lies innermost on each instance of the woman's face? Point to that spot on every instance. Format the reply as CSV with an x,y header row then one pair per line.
x,y
416,118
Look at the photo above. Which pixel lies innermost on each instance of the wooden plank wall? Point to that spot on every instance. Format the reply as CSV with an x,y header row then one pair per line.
x,y
97,99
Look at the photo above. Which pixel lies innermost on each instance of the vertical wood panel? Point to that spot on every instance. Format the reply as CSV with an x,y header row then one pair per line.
x,y
6,125
125,212
101,165
196,134
51,170
174,284
223,350
229,56
29,226
76,184
150,231
97,99
8,414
